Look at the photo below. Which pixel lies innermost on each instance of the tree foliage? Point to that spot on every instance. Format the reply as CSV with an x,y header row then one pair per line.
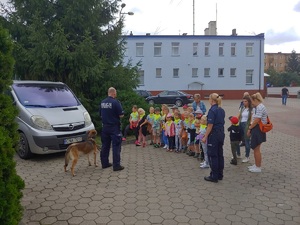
x,y
293,63
75,42
282,79
10,183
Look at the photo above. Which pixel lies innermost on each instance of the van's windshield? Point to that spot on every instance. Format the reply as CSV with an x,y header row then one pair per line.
x,y
45,95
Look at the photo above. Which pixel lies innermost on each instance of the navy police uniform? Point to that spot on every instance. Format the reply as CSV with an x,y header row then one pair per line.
x,y
110,112
215,141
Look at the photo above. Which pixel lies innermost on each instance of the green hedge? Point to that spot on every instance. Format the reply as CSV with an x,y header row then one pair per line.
x,y
10,183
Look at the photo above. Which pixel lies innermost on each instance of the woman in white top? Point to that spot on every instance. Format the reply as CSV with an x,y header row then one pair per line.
x,y
257,137
245,119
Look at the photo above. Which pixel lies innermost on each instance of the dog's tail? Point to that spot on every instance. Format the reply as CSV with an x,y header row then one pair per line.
x,y
67,157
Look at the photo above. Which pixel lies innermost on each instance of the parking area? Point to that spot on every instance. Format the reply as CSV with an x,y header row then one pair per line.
x,y
159,187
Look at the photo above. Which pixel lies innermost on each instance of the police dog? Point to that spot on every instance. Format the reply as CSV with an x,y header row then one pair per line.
x,y
83,148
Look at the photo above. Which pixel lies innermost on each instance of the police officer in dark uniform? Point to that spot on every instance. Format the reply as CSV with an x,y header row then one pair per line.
x,y
215,138
110,112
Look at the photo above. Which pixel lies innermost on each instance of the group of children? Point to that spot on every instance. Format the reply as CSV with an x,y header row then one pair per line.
x,y
174,131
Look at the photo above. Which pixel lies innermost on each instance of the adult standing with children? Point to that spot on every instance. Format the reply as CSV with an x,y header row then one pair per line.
x,y
257,136
214,137
245,116
198,104
111,111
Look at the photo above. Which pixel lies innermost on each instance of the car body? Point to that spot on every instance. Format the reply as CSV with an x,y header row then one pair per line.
x,y
50,117
143,93
178,98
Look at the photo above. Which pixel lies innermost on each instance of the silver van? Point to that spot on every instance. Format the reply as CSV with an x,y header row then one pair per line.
x,y
50,117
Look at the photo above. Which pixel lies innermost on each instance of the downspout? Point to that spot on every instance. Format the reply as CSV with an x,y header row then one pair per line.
x,y
259,84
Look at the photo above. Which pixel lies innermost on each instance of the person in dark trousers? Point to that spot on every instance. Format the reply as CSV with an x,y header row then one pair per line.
x,y
110,113
284,95
235,138
214,137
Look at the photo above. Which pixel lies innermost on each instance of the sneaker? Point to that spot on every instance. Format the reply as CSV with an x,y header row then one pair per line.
x,y
204,166
123,139
137,143
166,146
255,170
233,162
246,159
251,167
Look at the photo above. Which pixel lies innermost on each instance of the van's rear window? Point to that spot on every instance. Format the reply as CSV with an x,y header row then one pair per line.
x,y
45,95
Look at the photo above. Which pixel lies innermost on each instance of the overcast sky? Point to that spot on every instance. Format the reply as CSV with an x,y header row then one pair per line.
x,y
278,20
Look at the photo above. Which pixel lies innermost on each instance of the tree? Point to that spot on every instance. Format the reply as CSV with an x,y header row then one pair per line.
x,y
76,42
10,183
293,63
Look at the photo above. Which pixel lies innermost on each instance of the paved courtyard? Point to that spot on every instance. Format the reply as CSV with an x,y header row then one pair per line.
x,y
158,187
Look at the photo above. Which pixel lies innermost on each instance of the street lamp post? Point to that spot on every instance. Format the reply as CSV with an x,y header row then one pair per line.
x,y
125,13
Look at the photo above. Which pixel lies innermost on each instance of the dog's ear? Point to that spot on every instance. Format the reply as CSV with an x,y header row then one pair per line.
x,y
92,133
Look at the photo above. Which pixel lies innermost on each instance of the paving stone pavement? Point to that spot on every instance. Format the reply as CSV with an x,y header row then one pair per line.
x,y
158,187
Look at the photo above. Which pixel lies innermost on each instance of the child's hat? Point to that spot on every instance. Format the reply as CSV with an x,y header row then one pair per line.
x,y
185,106
174,107
169,115
234,119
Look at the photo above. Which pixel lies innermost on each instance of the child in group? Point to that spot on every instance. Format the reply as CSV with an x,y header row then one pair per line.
x,y
142,127
203,127
184,133
170,132
150,119
197,141
178,131
165,112
235,138
156,127
133,123
184,109
191,135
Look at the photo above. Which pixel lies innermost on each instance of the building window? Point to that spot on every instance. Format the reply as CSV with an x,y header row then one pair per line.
x,y
141,77
206,72
206,50
157,48
194,72
232,72
175,48
249,76
195,49
139,49
249,49
158,72
221,49
176,72
221,72
232,50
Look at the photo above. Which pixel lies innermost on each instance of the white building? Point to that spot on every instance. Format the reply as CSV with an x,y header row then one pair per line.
x,y
228,65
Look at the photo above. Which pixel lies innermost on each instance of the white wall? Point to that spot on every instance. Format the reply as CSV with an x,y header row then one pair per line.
x,y
186,61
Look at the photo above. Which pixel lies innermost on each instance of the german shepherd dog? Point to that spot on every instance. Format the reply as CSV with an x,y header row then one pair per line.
x,y
83,148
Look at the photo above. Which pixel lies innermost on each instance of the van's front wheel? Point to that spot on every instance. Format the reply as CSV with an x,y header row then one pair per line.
x,y
23,147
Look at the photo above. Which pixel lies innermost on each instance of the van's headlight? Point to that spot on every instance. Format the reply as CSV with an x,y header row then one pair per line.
x,y
87,119
41,122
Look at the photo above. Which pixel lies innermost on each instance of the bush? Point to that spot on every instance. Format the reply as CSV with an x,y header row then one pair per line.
x,y
10,183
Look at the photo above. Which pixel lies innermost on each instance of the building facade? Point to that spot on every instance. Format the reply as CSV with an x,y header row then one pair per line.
x,y
277,61
228,65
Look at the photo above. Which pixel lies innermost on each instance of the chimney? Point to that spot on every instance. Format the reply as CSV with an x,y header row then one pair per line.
x,y
234,32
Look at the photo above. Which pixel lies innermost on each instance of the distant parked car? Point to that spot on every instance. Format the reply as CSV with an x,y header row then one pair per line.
x,y
143,93
178,98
